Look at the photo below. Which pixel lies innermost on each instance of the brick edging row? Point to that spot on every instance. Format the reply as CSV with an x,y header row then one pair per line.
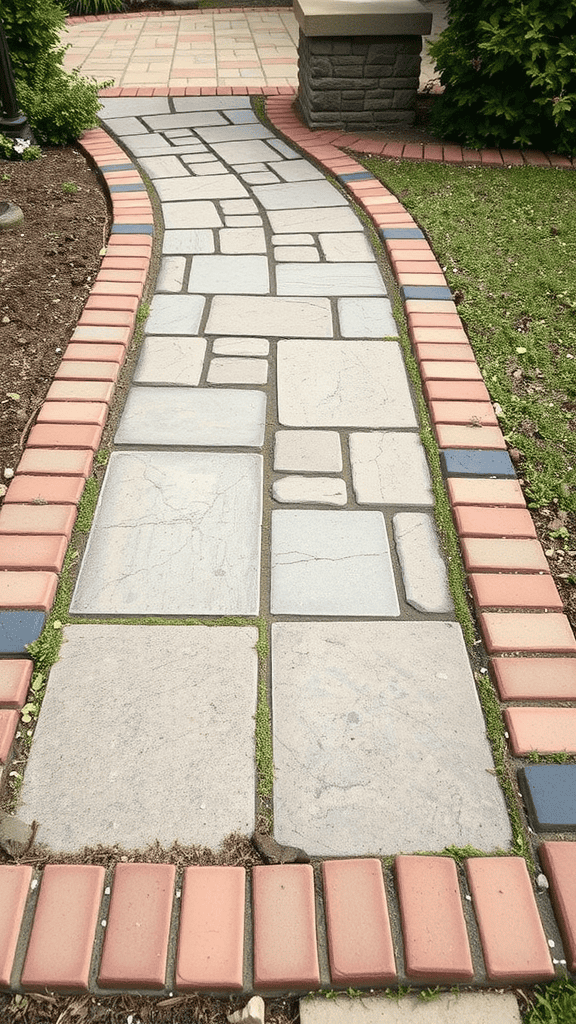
x,y
49,482
283,929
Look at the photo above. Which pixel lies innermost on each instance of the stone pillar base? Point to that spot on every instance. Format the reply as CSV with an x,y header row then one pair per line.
x,y
358,83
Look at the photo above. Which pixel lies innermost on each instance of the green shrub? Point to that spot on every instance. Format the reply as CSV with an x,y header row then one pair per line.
x,y
92,6
509,71
59,105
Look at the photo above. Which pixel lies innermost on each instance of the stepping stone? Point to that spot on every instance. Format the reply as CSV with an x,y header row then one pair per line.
x,y
175,533
232,275
200,214
550,794
343,384
171,361
275,317
297,170
175,314
423,569
185,416
213,186
330,218
132,106
307,451
311,490
189,119
368,715
331,563
366,317
235,133
446,1008
330,279
346,248
194,240
295,195
379,460
244,152
115,725
211,102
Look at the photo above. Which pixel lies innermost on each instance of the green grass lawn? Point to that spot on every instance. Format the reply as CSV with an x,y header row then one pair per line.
x,y
506,239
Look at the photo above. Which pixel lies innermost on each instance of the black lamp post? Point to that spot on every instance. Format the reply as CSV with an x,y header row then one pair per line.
x,y
13,122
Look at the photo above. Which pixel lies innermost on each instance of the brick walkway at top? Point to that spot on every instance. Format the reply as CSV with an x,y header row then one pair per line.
x,y
420,921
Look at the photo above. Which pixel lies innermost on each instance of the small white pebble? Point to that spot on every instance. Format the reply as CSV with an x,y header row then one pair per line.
x,y
551,943
542,882
103,923
8,473
34,883
107,890
469,898
202,807
555,961
507,735
178,893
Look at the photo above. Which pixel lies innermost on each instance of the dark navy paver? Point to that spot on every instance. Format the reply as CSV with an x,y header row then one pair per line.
x,y
425,291
476,462
402,233
550,794
19,628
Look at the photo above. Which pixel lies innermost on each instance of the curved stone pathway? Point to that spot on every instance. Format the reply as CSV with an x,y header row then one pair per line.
x,y
271,393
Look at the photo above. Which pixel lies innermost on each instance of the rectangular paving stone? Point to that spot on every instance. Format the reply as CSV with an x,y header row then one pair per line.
x,y
549,791
237,371
446,1008
331,563
513,940
297,170
535,678
163,167
325,218
193,547
171,360
459,462
357,708
175,314
114,107
64,927
242,240
9,720
15,677
423,569
234,275
366,317
184,119
241,347
360,945
14,887
244,152
436,945
186,215
188,416
37,519
135,947
295,195
559,862
235,133
329,279
345,249
189,240
270,315
285,954
515,632
306,490
343,384
211,933
546,730
115,724
214,186
379,460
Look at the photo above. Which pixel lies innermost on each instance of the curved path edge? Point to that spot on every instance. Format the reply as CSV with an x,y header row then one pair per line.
x,y
420,921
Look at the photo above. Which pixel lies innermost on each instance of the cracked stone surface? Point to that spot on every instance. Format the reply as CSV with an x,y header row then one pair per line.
x,y
379,461
138,719
175,533
185,416
331,563
423,569
359,708
171,361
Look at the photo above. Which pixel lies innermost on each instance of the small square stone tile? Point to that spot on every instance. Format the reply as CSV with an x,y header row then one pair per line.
x,y
547,730
379,460
275,316
238,371
20,628
241,347
423,569
236,275
550,794
311,451
190,240
301,239
180,215
175,314
456,462
366,317
341,384
356,279
187,416
242,240
346,248
331,563
169,360
310,490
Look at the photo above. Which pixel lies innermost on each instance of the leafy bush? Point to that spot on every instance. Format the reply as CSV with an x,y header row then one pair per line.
x,y
59,105
92,6
509,71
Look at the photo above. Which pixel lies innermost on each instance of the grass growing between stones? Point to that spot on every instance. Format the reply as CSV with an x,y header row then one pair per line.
x,y
553,1004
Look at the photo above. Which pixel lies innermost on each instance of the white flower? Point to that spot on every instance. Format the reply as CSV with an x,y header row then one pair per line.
x,y
20,145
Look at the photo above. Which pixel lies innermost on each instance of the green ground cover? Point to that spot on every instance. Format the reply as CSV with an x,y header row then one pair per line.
x,y
506,239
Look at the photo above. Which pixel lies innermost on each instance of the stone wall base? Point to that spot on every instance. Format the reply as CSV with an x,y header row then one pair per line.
x,y
358,83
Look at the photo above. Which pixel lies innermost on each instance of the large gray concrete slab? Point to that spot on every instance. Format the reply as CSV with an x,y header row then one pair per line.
x,y
324,218
343,384
215,186
132,717
331,563
158,416
447,1008
272,315
379,740
295,195
175,533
